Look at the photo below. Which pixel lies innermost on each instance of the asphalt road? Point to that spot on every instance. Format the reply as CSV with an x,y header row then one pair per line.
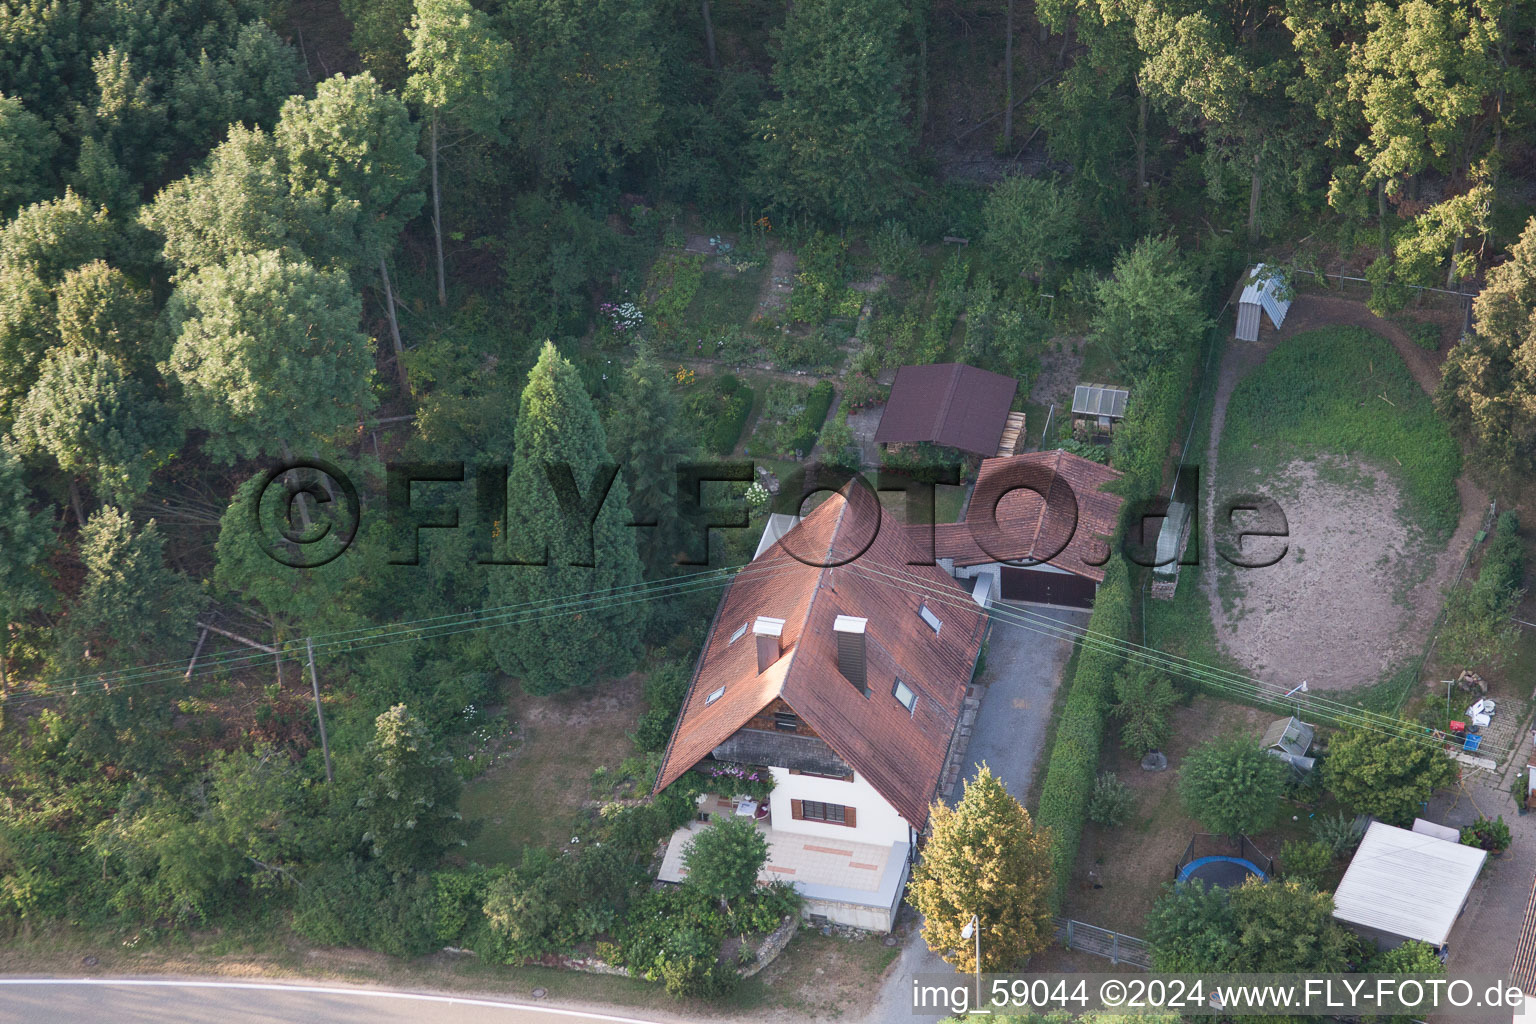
x,y
169,1001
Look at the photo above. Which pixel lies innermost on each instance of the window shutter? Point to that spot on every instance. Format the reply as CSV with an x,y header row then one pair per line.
x,y
850,817
796,810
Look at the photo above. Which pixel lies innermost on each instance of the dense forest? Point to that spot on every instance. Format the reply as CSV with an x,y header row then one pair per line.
x,y
238,233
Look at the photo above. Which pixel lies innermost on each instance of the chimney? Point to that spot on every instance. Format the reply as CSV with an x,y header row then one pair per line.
x,y
770,639
850,649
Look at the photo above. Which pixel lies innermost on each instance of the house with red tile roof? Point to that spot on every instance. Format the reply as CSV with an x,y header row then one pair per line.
x,y
841,664
1036,529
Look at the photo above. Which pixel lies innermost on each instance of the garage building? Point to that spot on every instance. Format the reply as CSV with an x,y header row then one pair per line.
x,y
1047,540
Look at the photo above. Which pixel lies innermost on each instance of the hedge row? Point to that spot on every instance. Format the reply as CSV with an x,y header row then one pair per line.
x,y
733,406
817,403
1145,437
1074,761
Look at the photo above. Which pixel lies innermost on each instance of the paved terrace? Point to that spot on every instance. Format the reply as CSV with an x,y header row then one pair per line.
x,y
821,868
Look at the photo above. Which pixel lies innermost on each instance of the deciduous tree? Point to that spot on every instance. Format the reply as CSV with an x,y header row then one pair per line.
x,y
1231,786
724,859
268,353
1148,309
1388,776
1489,382
95,420
985,857
26,539
1032,225
411,795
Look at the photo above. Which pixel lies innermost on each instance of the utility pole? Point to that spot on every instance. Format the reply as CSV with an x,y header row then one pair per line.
x,y
314,681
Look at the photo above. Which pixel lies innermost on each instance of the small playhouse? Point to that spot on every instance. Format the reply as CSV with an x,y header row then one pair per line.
x,y
1267,290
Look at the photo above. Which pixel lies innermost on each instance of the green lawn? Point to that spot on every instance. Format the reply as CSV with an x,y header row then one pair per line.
x,y
724,299
535,796
1345,391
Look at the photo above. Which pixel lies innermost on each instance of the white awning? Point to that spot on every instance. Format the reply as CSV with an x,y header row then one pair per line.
x,y
1406,883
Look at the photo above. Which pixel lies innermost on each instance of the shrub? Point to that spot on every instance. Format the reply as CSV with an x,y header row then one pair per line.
x,y
1072,768
1339,832
355,903
799,413
1484,834
1084,449
1479,627
1309,861
1144,697
1112,801
1143,438
677,279
819,280
896,250
664,691
838,448
1386,776
721,409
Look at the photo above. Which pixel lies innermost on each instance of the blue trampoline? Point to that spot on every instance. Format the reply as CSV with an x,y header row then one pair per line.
x,y
1223,863
1221,872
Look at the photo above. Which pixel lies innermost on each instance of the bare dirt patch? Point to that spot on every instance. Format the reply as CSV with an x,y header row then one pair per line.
x,y
1349,630
774,298
1060,371
1339,609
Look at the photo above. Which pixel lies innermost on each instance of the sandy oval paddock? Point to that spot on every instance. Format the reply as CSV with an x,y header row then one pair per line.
x,y
1349,600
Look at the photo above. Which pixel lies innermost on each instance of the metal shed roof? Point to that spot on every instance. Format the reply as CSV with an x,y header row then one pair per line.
x,y
1099,400
1288,734
1267,289
1408,884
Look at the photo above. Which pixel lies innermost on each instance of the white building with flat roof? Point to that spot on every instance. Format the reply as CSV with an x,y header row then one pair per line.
x,y
1404,885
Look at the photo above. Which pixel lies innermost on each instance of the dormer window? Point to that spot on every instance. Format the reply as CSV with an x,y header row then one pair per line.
x,y
930,618
714,696
905,695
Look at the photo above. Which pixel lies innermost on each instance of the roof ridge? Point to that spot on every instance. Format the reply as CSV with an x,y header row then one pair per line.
x,y
949,397
821,574
1045,507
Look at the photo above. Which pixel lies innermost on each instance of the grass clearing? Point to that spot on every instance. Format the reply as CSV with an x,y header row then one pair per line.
x,y
1345,391
536,794
724,299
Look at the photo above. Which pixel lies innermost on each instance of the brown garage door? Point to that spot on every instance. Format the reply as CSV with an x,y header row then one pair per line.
x,y
1047,587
